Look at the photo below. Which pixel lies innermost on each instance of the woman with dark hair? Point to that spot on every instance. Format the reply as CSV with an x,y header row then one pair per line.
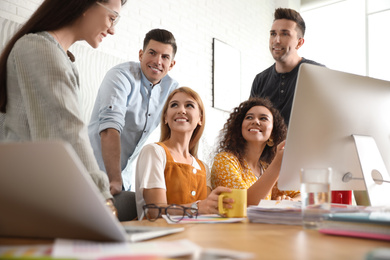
x,y
251,150
39,84
169,172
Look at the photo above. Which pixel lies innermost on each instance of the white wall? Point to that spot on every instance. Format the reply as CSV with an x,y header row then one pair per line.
x,y
242,24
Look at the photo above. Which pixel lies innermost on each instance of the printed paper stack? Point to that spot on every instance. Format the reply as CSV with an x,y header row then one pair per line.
x,y
275,212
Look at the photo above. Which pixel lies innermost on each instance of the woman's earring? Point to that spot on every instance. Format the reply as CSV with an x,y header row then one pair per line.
x,y
270,142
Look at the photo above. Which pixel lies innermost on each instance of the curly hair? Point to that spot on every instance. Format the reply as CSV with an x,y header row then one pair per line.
x,y
231,135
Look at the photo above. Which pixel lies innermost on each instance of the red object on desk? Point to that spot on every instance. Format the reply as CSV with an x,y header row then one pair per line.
x,y
342,196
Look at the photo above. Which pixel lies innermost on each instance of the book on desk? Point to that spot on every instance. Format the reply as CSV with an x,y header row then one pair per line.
x,y
369,224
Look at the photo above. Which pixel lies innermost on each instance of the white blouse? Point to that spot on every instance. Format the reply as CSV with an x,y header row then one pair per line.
x,y
151,175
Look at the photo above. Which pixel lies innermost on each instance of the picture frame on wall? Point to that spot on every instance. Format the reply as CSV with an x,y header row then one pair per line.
x,y
226,76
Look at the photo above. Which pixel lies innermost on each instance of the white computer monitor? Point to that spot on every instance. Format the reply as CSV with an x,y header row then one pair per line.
x,y
329,108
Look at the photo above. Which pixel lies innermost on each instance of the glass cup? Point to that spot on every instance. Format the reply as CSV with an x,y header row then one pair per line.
x,y
315,196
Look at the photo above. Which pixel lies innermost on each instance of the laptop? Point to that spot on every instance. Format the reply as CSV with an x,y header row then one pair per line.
x,y
46,192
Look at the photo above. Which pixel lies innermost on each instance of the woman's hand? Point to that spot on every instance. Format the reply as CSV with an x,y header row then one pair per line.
x,y
283,197
286,197
280,151
280,147
210,204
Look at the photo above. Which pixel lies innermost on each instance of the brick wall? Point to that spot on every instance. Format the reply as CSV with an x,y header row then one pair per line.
x,y
242,24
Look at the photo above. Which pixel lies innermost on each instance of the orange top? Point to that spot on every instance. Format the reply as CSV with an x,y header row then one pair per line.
x,y
184,183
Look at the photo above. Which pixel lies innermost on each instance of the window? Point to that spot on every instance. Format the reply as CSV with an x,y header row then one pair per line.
x,y
349,35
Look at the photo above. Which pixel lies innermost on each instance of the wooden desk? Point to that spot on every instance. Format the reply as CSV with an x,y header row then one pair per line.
x,y
268,241
264,240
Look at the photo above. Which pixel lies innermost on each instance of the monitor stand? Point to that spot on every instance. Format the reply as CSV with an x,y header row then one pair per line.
x,y
375,174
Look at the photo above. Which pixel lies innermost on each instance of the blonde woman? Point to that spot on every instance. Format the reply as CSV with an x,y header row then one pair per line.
x,y
169,172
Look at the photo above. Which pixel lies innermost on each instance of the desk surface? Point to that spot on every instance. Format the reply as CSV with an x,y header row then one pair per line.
x,y
266,241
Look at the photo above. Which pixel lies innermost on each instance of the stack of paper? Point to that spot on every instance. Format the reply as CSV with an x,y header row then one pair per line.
x,y
369,224
289,212
276,212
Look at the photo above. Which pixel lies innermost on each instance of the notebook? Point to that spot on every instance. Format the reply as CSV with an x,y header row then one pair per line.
x,y
46,192
373,224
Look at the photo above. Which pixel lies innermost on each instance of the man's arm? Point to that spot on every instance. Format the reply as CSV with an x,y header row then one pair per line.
x,y
111,153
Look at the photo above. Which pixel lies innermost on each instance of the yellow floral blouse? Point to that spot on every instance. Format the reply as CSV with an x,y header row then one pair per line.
x,y
228,172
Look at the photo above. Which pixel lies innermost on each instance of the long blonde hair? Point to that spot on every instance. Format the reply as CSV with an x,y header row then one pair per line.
x,y
198,131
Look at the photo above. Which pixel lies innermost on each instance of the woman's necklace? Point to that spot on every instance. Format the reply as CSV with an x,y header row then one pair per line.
x,y
189,160
259,172
177,156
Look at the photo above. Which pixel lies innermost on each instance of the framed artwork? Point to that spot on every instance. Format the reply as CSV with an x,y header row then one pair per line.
x,y
226,76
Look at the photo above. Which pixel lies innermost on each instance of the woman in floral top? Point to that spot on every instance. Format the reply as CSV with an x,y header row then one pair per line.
x,y
251,150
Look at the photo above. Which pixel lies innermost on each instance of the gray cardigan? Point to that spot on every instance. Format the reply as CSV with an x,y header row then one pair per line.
x,y
43,100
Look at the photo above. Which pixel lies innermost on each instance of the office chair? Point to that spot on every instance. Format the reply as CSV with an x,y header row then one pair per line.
x,y
126,206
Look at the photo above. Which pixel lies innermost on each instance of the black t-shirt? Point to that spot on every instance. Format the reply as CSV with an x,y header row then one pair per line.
x,y
278,87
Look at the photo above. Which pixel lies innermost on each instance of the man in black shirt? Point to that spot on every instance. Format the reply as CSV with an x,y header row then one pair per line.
x,y
278,81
